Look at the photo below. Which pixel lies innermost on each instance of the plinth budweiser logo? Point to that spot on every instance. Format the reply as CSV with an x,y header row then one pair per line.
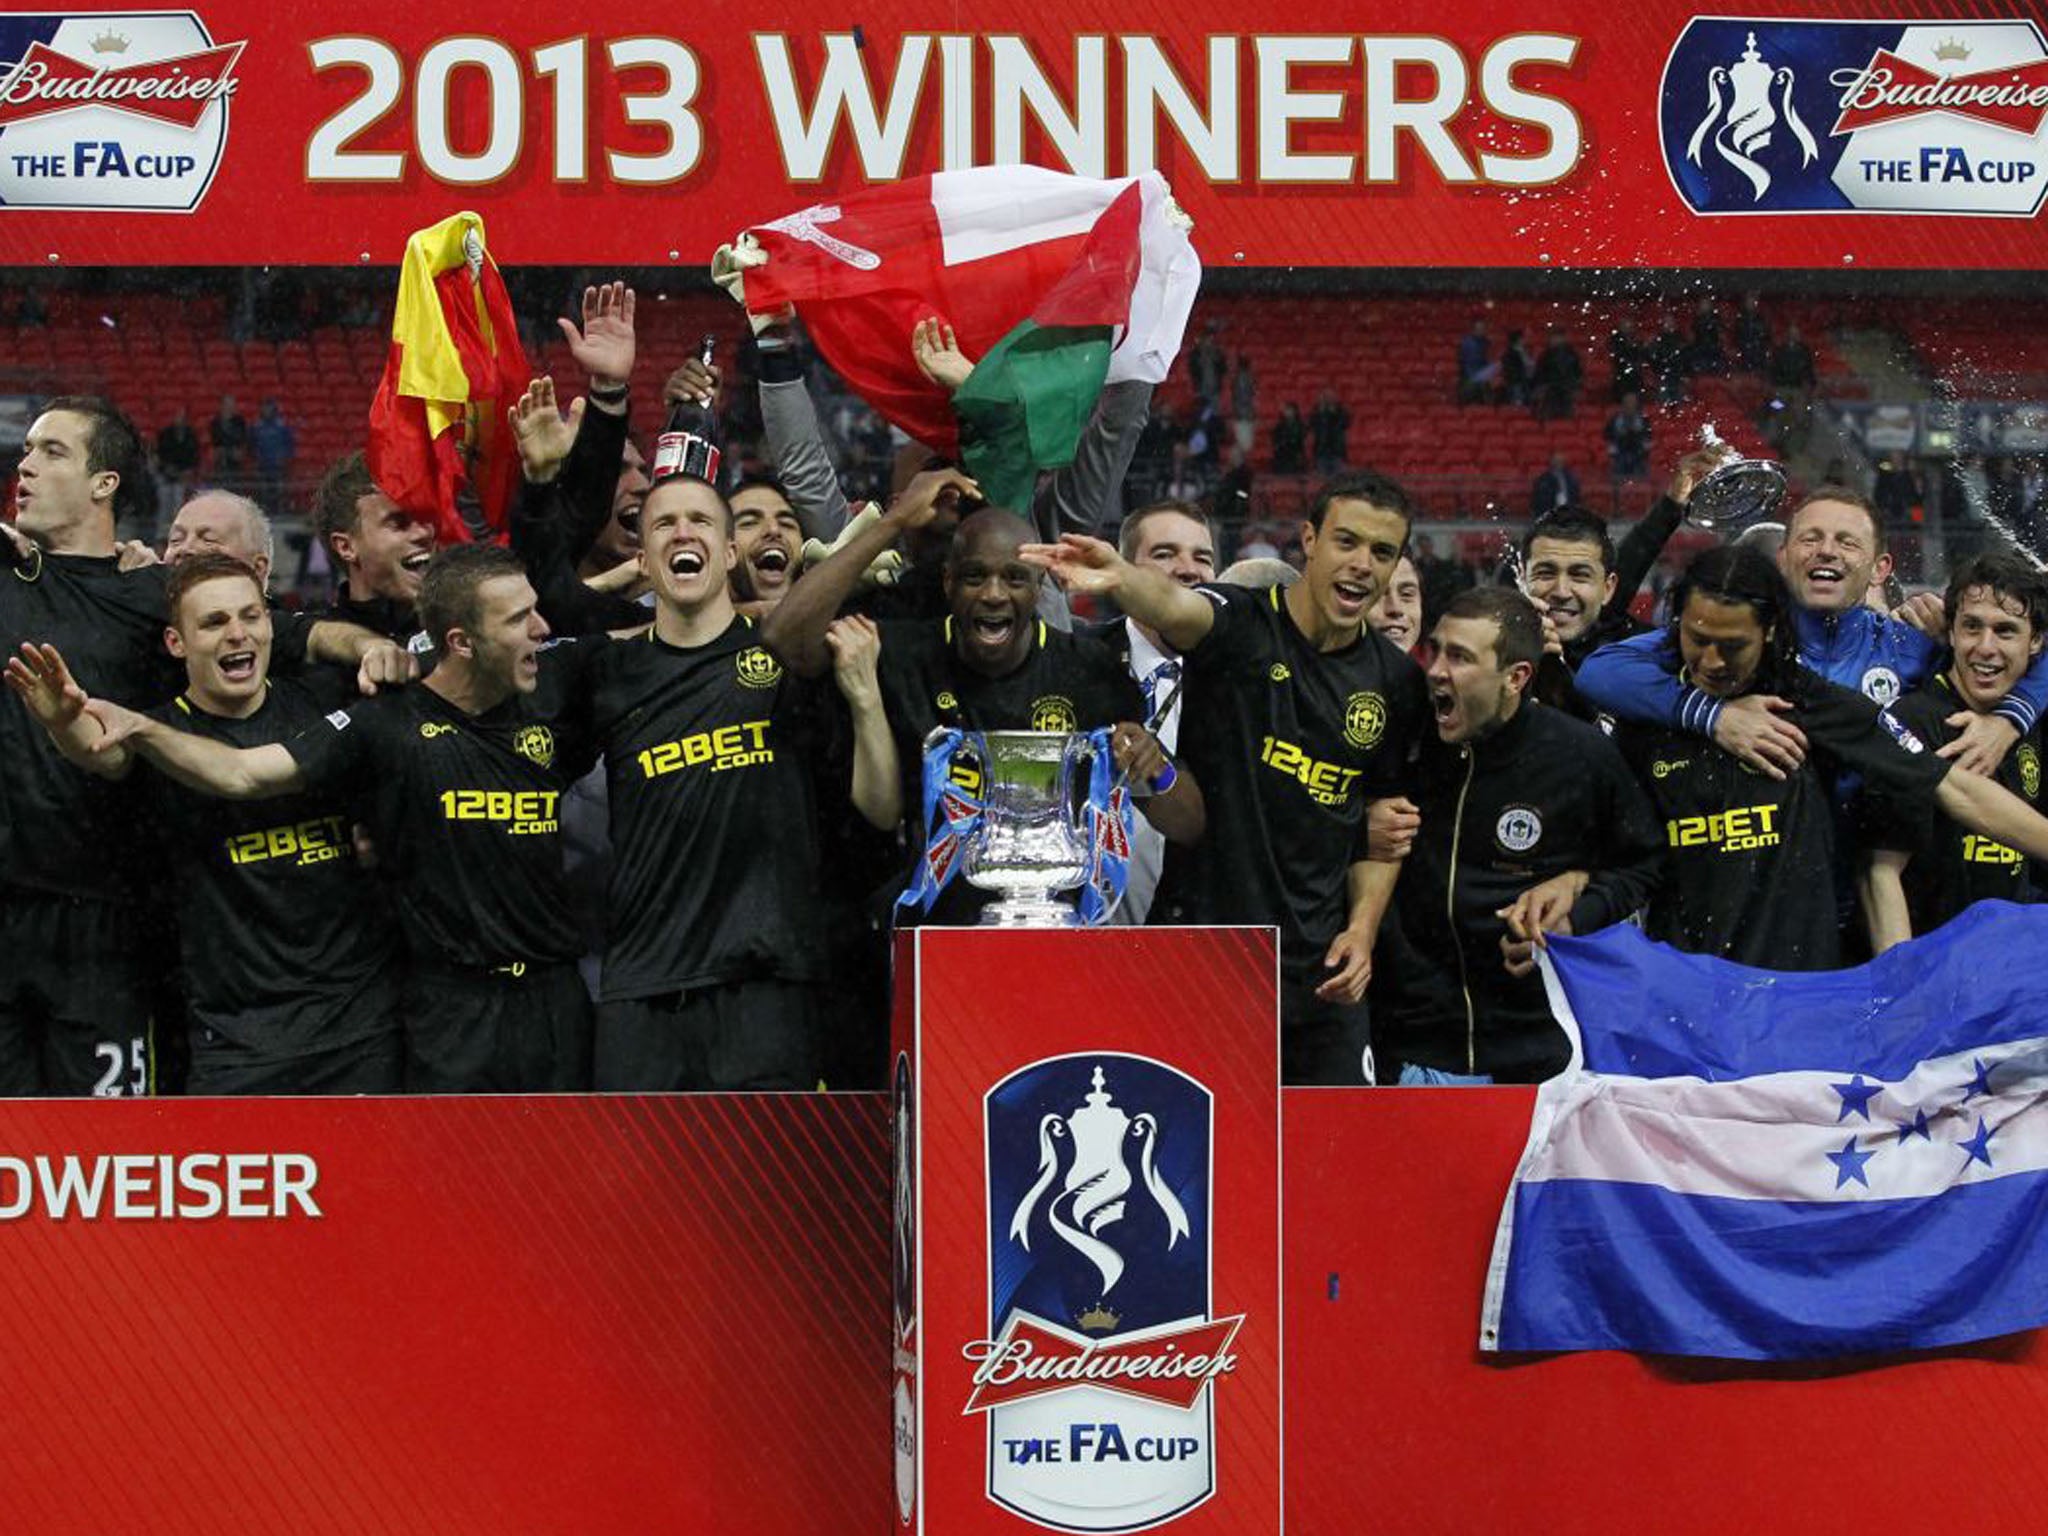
x,y
1097,1375
112,110
1770,116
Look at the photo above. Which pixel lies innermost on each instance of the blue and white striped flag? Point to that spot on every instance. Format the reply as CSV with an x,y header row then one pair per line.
x,y
1757,1165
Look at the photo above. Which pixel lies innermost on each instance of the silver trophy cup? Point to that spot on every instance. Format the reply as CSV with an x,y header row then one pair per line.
x,y
1737,492
1032,845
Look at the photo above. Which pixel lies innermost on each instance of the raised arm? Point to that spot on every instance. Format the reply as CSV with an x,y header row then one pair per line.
x,y
198,762
43,682
1081,564
1637,680
856,647
795,631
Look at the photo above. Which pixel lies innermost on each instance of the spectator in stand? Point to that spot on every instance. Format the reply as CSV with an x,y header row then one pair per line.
x,y
1256,544
1441,579
275,446
1153,461
1517,369
228,436
1233,500
1556,487
1244,403
1627,355
1791,372
1290,442
1752,336
1185,482
1205,438
1329,427
1897,491
1707,355
1206,365
1559,375
2030,502
1667,355
1628,435
1478,373
177,461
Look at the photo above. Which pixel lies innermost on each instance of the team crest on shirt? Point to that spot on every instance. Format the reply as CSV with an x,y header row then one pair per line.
x,y
1881,686
2030,771
757,668
1519,829
536,743
1365,720
1053,713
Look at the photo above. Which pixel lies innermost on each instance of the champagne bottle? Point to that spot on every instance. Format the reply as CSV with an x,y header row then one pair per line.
x,y
688,445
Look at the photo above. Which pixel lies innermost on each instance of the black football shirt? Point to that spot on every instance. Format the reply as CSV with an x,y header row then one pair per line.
x,y
1749,860
465,812
1290,744
1066,682
287,943
708,766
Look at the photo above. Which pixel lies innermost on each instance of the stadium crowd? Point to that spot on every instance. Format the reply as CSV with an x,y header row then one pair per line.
x,y
630,802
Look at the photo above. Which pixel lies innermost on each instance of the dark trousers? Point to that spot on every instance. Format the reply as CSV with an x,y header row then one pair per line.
x,y
515,1029
74,999
762,1034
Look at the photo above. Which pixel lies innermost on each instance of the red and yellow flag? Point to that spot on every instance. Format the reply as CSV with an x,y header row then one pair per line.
x,y
454,369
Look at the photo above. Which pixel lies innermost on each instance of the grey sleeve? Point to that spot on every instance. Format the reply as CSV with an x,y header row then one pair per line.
x,y
796,447
1083,497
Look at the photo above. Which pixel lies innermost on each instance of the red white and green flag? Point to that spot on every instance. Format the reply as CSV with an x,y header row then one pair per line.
x,y
1057,284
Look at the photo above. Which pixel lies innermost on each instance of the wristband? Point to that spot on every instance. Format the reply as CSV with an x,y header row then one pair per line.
x,y
609,394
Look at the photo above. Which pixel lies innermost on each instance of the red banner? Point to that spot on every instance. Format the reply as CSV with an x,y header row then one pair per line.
x,y
1567,134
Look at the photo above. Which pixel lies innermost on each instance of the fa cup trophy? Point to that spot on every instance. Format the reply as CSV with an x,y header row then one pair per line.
x,y
1736,492
1033,842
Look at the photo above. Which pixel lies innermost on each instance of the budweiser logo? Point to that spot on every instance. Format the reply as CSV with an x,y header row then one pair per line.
x,y
176,90
1168,1365
2014,97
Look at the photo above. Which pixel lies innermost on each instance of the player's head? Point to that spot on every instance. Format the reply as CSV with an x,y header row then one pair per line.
x,y
1997,619
686,546
619,540
1833,549
379,546
1487,645
1356,529
1568,568
480,611
767,537
220,628
1731,614
991,594
1173,537
222,523
1398,613
81,466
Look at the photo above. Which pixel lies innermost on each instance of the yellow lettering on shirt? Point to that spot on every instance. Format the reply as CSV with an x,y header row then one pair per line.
x,y
317,840
1739,830
1326,783
523,813
1978,849
730,746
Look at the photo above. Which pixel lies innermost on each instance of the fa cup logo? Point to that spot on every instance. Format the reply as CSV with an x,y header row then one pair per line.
x,y
1098,1181
1097,1374
1740,116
